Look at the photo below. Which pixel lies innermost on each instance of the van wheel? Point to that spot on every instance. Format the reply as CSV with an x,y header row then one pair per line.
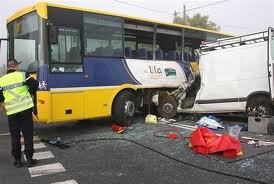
x,y
259,106
167,107
124,107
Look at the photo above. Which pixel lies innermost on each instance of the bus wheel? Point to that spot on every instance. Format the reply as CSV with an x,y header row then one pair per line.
x,y
259,106
124,107
167,107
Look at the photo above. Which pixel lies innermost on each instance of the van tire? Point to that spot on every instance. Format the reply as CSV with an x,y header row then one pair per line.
x,y
167,107
124,107
259,106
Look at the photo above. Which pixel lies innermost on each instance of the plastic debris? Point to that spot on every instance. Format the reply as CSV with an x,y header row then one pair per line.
x,y
259,143
251,142
214,118
244,127
234,131
167,121
209,123
151,119
264,143
56,142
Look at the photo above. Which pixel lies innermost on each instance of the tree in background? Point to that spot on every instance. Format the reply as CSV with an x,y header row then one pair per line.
x,y
197,20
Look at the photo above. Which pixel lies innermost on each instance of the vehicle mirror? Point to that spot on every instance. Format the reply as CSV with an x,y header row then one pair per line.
x,y
53,32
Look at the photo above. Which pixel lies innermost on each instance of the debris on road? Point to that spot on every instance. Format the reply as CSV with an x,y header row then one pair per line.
x,y
261,143
234,131
209,123
205,141
166,121
56,142
151,119
117,128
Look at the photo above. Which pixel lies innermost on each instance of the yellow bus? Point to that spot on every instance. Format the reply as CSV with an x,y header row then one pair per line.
x,y
94,64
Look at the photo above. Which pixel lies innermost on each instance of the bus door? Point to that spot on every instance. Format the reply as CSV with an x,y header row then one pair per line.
x,y
271,60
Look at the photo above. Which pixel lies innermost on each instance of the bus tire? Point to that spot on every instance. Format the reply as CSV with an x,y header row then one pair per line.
x,y
167,107
124,107
259,106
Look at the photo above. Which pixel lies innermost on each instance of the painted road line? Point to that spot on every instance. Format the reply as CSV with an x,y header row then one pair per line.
x,y
35,146
4,134
35,139
46,169
42,155
66,182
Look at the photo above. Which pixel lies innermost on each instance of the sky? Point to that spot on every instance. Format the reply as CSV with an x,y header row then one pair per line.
x,y
236,17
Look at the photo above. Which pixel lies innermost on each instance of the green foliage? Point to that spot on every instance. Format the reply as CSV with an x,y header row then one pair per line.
x,y
197,20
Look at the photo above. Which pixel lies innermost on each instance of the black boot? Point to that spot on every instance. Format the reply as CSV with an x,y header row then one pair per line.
x,y
31,162
17,163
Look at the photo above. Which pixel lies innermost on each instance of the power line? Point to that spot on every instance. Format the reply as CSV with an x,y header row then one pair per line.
x,y
206,5
138,6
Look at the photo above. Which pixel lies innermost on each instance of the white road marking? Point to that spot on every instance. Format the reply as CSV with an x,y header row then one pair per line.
x,y
35,138
35,146
46,169
4,134
42,155
66,182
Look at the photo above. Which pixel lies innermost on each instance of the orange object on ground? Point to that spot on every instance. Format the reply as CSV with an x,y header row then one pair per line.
x,y
117,128
205,141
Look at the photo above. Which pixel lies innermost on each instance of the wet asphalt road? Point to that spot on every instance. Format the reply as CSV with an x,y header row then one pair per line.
x,y
98,155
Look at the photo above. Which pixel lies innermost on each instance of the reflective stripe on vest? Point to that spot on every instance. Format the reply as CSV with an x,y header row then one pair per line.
x,y
17,97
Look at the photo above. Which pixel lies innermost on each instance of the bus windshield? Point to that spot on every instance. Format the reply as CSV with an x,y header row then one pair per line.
x,y
23,35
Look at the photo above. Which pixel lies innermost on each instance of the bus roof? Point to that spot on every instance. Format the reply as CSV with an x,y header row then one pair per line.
x,y
41,8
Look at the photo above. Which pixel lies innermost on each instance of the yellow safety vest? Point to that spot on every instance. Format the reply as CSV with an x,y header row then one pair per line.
x,y
15,91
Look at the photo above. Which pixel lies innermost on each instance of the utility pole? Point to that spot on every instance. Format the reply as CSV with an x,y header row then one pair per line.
x,y
184,13
183,33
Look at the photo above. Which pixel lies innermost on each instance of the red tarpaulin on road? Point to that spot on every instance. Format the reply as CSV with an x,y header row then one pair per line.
x,y
205,141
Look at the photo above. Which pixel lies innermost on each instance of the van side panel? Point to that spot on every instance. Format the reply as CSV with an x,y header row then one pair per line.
x,y
229,75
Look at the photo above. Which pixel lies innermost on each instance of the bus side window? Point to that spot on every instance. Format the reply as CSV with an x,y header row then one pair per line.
x,y
66,51
103,35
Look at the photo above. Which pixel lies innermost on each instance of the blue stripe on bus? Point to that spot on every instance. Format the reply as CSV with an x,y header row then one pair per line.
x,y
97,72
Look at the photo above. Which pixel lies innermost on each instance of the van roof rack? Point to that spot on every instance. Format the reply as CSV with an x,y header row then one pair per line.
x,y
235,41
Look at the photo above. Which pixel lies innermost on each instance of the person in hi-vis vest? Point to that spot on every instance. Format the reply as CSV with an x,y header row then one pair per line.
x,y
16,89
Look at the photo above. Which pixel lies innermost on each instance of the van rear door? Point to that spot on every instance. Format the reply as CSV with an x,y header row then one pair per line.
x,y
271,60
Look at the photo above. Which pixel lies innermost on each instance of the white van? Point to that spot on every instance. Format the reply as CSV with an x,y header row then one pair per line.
x,y
236,75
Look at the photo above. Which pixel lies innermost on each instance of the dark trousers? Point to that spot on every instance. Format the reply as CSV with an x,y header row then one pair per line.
x,y
21,121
